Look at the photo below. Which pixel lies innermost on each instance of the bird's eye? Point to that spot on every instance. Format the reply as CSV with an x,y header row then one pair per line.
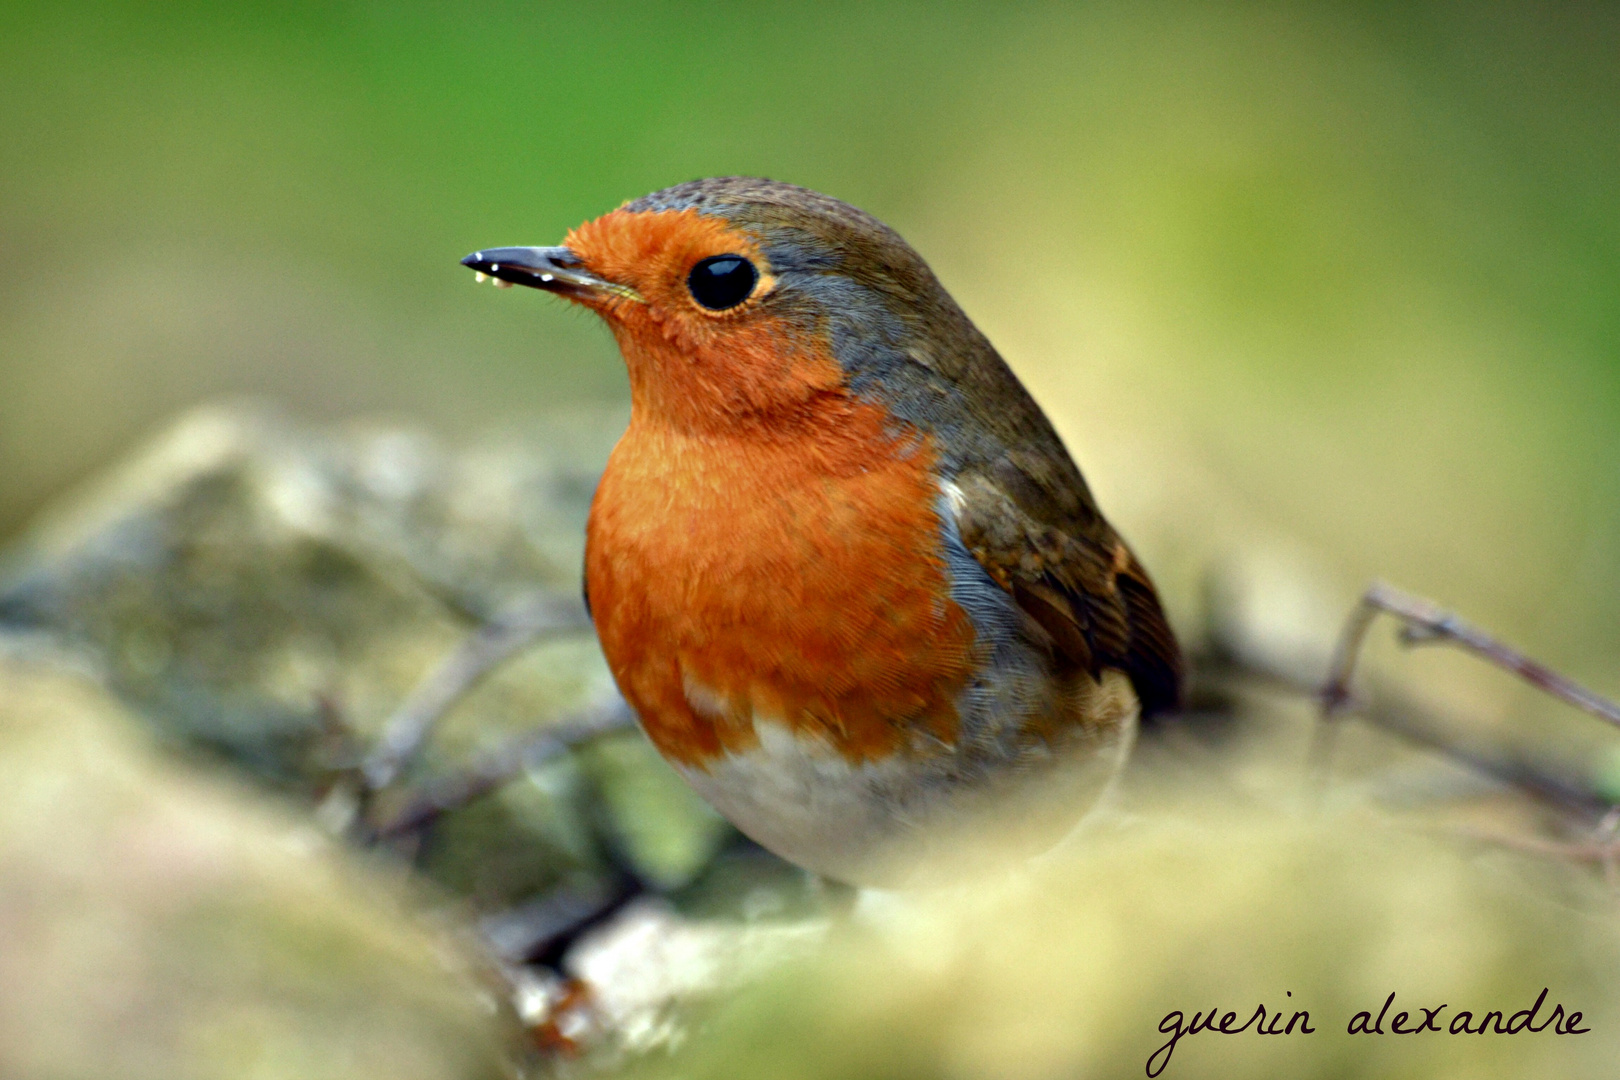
x,y
722,282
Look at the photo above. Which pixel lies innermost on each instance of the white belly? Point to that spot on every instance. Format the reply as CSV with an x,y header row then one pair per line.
x,y
919,816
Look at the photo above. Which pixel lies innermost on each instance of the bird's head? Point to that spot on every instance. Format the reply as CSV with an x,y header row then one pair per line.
x,y
744,302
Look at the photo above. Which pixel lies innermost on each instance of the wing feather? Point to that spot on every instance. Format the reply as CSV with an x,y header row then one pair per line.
x,y
1082,585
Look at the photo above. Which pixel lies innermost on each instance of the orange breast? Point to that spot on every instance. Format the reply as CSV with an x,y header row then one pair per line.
x,y
793,574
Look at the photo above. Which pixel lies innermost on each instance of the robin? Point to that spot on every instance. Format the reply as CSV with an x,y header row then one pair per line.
x,y
840,563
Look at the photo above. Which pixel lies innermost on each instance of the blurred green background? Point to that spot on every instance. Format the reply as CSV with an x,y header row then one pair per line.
x,y
1340,281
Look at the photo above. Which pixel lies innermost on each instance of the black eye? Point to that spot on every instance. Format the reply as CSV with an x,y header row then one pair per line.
x,y
721,282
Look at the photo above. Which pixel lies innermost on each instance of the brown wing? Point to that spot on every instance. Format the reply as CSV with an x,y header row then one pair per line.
x,y
1080,583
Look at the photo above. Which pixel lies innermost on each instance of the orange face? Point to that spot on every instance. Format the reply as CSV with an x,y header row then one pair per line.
x,y
653,252
692,365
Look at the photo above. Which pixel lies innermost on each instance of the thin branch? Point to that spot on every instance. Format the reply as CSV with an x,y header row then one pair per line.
x,y
497,768
1424,621
1593,851
1608,833
1558,783
492,644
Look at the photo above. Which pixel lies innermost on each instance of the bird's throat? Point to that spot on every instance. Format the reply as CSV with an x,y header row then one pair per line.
x,y
736,580
749,379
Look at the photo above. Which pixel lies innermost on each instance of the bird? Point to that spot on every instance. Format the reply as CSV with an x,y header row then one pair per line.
x,y
840,564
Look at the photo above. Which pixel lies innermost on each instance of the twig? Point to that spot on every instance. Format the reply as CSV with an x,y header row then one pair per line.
x,y
1425,622
497,768
1396,713
498,640
1595,851
540,931
1608,832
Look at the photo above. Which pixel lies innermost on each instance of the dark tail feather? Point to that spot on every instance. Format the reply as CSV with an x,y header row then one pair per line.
x,y
1154,661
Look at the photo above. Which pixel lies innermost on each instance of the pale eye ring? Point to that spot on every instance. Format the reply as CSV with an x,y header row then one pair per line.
x,y
722,281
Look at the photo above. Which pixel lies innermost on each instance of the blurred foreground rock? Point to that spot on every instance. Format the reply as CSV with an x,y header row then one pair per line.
x,y
242,576
1086,965
159,926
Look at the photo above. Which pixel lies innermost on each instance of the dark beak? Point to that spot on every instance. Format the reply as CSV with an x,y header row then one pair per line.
x,y
554,269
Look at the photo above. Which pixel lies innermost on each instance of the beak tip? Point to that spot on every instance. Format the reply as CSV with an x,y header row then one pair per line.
x,y
553,269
